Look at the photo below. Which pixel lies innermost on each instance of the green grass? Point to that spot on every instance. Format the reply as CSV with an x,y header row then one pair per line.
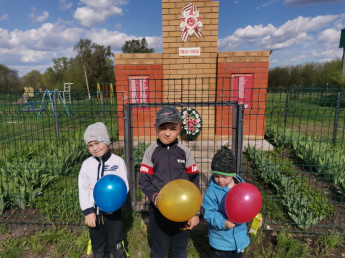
x,y
311,114
64,242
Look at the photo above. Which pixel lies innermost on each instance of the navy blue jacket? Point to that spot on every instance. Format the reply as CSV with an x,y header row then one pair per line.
x,y
164,163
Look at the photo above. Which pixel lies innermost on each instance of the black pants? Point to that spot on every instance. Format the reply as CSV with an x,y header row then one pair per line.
x,y
163,232
215,253
107,236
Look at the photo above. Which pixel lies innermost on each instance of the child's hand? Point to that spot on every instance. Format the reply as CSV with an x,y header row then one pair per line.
x,y
229,224
191,223
90,220
260,222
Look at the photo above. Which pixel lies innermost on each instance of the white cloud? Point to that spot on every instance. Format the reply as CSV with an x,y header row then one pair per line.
x,y
97,12
304,24
65,4
4,38
38,18
155,42
250,32
4,17
105,37
266,4
311,39
298,58
309,2
116,39
271,43
48,37
329,35
302,30
36,48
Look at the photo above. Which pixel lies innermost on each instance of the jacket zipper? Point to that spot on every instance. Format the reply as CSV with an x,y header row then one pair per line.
x,y
168,148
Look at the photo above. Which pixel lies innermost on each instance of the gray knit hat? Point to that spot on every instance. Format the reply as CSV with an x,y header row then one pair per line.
x,y
223,163
168,114
97,132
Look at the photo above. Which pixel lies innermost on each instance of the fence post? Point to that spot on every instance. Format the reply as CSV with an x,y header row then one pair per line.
x,y
240,118
131,198
102,103
234,129
55,116
286,106
337,111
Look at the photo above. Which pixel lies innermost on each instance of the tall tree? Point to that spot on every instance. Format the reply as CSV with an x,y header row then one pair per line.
x,y
9,79
32,79
84,52
136,46
331,74
96,62
49,80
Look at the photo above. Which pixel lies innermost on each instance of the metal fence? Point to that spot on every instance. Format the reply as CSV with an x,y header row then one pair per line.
x,y
298,164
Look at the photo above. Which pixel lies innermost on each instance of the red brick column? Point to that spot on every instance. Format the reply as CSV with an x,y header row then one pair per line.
x,y
243,63
148,65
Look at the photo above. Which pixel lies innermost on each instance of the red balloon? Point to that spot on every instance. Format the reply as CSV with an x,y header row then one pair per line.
x,y
242,203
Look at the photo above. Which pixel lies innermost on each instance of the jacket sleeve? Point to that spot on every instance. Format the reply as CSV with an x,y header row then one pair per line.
x,y
212,214
145,177
192,169
123,172
84,191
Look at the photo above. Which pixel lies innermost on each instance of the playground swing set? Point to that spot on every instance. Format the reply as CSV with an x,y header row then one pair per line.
x,y
53,107
31,106
107,89
104,91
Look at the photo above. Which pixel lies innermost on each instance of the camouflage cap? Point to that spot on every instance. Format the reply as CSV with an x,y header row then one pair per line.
x,y
168,114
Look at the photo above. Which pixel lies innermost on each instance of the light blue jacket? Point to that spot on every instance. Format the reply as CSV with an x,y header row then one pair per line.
x,y
220,237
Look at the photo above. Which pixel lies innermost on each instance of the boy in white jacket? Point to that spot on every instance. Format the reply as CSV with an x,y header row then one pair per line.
x,y
103,227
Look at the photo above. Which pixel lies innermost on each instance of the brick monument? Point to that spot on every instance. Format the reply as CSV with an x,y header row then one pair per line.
x,y
191,69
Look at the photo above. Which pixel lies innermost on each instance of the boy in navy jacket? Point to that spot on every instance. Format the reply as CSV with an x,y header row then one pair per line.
x,y
165,161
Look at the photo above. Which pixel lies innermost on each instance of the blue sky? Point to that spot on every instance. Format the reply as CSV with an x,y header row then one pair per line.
x,y
33,32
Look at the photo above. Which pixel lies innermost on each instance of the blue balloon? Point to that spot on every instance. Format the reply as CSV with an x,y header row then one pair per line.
x,y
110,193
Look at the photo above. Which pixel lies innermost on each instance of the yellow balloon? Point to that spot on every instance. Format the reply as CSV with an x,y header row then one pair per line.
x,y
179,200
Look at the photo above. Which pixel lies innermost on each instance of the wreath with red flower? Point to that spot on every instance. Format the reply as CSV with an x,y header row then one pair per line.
x,y
191,124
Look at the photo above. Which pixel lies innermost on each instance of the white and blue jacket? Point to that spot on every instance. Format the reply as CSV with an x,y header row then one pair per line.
x,y
221,238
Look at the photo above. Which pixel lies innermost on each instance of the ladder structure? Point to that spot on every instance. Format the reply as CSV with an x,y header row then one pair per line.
x,y
67,92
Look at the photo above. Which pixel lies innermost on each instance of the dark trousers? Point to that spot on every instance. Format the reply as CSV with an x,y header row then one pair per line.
x,y
107,236
215,253
164,231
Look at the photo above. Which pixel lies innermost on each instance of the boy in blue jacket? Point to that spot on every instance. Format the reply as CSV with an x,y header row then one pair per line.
x,y
227,239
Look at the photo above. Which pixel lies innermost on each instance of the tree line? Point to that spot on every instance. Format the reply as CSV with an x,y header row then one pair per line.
x,y
311,75
94,63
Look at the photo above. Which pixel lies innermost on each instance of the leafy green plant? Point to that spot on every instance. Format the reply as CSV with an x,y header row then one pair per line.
x,y
12,247
328,242
304,211
59,201
326,159
137,236
272,208
138,153
63,241
24,178
287,246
